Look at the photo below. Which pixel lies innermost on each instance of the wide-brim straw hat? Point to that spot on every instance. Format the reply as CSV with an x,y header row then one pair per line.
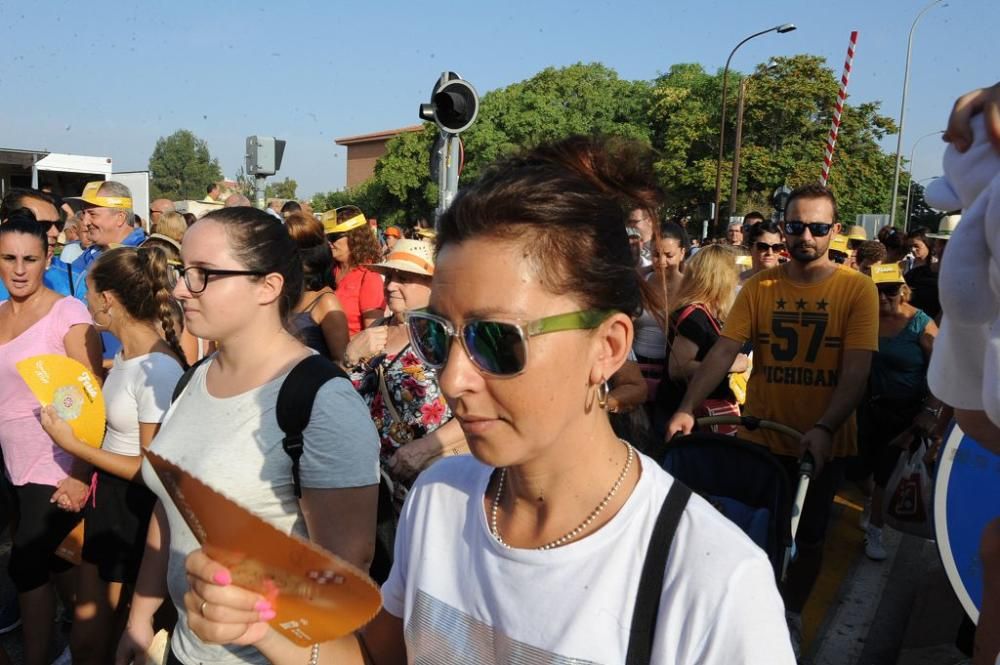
x,y
414,256
947,226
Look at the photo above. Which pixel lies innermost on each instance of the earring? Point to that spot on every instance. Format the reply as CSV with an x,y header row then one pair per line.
x,y
103,326
603,390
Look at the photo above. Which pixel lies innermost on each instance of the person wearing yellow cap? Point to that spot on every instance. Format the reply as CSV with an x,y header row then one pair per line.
x,y
898,399
354,247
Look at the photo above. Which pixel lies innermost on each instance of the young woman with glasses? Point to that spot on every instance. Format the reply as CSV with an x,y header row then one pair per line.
x,y
240,280
531,549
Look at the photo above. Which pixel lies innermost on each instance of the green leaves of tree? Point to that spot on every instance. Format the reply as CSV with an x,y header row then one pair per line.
x,y
181,167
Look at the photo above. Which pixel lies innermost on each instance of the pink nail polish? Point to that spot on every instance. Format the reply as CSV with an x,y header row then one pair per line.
x,y
262,606
267,615
223,578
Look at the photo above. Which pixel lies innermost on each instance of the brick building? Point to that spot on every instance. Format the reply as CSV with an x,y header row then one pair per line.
x,y
365,149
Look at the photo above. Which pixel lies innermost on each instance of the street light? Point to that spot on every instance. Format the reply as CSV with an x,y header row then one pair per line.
x,y
780,29
744,84
902,111
909,198
909,184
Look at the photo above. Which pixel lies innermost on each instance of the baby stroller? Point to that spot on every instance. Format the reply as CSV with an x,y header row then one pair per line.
x,y
744,481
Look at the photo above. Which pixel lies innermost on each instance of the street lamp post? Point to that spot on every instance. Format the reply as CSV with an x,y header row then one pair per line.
x,y
909,184
738,142
902,112
781,29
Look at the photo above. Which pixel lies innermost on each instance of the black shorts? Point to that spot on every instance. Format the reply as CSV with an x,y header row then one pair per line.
x,y
879,422
41,527
115,527
819,500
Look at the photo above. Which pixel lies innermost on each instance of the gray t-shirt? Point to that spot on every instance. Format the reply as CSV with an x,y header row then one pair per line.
x,y
234,445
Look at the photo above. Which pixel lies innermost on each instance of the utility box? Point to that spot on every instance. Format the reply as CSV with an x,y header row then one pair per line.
x,y
264,155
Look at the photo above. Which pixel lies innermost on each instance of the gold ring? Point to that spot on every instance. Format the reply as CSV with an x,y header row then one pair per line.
x,y
202,608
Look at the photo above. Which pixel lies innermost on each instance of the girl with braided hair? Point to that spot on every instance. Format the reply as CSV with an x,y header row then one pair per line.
x,y
128,294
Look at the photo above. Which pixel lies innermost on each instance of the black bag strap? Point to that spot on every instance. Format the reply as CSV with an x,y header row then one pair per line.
x,y
295,404
647,600
186,379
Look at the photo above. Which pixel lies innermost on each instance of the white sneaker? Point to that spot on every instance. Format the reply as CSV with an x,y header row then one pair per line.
x,y
866,515
874,549
794,622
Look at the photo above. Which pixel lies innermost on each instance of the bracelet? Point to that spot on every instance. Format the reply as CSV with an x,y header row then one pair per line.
x,y
823,426
314,655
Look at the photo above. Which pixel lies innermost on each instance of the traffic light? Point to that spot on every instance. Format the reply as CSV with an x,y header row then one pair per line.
x,y
264,155
454,104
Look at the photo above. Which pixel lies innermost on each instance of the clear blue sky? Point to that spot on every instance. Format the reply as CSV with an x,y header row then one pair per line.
x,y
109,78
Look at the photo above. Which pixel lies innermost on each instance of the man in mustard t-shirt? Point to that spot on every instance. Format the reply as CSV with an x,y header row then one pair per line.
x,y
813,326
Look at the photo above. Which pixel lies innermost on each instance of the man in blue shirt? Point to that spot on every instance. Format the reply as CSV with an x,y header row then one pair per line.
x,y
46,211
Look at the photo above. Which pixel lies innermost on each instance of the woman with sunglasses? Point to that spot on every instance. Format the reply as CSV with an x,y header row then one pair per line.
x,y
354,246
49,485
532,548
766,248
240,281
128,294
898,398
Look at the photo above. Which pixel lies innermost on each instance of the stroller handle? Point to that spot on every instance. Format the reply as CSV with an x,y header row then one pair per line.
x,y
750,423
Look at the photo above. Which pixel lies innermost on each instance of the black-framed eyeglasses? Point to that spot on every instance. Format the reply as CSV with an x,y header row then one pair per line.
x,y
777,247
890,290
196,277
796,227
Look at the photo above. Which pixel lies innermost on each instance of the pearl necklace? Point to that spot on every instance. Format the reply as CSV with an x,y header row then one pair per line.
x,y
583,525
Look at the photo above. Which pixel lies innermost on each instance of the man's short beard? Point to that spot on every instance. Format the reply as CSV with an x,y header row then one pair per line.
x,y
805,259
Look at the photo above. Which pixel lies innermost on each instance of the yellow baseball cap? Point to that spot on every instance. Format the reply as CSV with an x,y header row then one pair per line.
x,y
90,196
352,218
856,232
839,244
430,234
887,273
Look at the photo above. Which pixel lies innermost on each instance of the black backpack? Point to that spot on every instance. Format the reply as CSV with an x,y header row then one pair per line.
x,y
294,410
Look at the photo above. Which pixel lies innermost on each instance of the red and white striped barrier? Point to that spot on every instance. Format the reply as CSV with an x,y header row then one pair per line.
x,y
831,142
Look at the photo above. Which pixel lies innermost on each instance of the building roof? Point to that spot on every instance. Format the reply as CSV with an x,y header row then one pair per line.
x,y
384,135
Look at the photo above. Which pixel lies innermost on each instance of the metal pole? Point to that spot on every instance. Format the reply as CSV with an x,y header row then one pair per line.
x,y
902,113
783,28
736,149
909,182
260,191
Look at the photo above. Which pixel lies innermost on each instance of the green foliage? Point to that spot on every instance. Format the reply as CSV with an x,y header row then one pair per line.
x,y
284,189
181,167
787,117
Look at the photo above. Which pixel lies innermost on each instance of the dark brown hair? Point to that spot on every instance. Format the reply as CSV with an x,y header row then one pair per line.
x,y
814,191
261,243
570,200
140,279
871,250
317,262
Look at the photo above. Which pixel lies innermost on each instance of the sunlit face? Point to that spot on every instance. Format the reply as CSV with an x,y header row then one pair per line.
x,y
639,220
105,225
228,303
806,248
512,420
668,254
406,290
764,251
889,297
734,234
920,249
22,263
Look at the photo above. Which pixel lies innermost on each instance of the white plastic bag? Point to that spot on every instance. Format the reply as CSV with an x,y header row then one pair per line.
x,y
909,493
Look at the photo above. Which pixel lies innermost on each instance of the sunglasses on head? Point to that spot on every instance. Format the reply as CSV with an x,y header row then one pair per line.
x,y
777,247
890,290
796,227
498,348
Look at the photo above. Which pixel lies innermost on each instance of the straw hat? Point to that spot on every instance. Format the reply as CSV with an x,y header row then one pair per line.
x,y
414,256
946,228
856,232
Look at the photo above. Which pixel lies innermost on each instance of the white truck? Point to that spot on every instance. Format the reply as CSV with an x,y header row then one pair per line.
x,y
68,174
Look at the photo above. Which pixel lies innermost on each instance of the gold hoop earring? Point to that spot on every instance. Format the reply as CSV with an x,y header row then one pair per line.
x,y
603,390
103,326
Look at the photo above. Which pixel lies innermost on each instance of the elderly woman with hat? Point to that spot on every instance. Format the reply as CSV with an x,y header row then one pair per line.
x,y
354,246
410,414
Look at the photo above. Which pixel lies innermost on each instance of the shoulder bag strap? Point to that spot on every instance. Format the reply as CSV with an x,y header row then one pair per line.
x,y
186,379
384,388
647,601
295,404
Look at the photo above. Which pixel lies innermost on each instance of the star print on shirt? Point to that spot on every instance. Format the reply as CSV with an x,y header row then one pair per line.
x,y
780,303
822,304
800,304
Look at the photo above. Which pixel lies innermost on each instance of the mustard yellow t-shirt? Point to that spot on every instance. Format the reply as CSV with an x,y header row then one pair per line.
x,y
799,333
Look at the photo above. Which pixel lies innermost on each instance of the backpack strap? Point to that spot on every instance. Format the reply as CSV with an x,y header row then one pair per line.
x,y
186,379
647,600
295,404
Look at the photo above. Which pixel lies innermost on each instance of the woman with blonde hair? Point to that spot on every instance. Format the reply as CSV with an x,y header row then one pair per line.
x,y
708,291
172,225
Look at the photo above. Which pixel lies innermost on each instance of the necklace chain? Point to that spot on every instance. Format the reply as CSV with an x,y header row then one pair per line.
x,y
572,535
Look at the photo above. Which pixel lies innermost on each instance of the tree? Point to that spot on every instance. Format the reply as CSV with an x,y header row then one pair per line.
x,y
284,189
181,167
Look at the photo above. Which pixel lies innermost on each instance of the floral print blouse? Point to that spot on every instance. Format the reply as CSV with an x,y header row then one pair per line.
x,y
415,395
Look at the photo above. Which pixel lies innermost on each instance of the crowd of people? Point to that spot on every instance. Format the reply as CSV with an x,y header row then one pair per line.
x,y
520,466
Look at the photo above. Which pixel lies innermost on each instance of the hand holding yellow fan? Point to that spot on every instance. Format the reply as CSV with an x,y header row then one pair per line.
x,y
71,389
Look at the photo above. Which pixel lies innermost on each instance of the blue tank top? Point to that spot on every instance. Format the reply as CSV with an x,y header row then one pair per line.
x,y
899,369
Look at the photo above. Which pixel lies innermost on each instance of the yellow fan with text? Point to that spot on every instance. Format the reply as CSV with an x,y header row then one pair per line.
x,y
71,388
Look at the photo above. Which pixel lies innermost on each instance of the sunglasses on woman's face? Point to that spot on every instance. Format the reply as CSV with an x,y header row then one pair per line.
x,y
796,227
498,348
777,247
890,290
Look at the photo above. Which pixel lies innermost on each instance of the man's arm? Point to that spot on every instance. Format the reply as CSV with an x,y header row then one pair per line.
x,y
713,370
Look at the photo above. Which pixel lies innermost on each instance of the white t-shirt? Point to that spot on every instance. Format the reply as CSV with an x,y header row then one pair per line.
x,y
234,445
137,391
464,598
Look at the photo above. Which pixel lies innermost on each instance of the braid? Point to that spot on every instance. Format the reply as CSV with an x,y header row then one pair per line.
x,y
167,312
154,264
